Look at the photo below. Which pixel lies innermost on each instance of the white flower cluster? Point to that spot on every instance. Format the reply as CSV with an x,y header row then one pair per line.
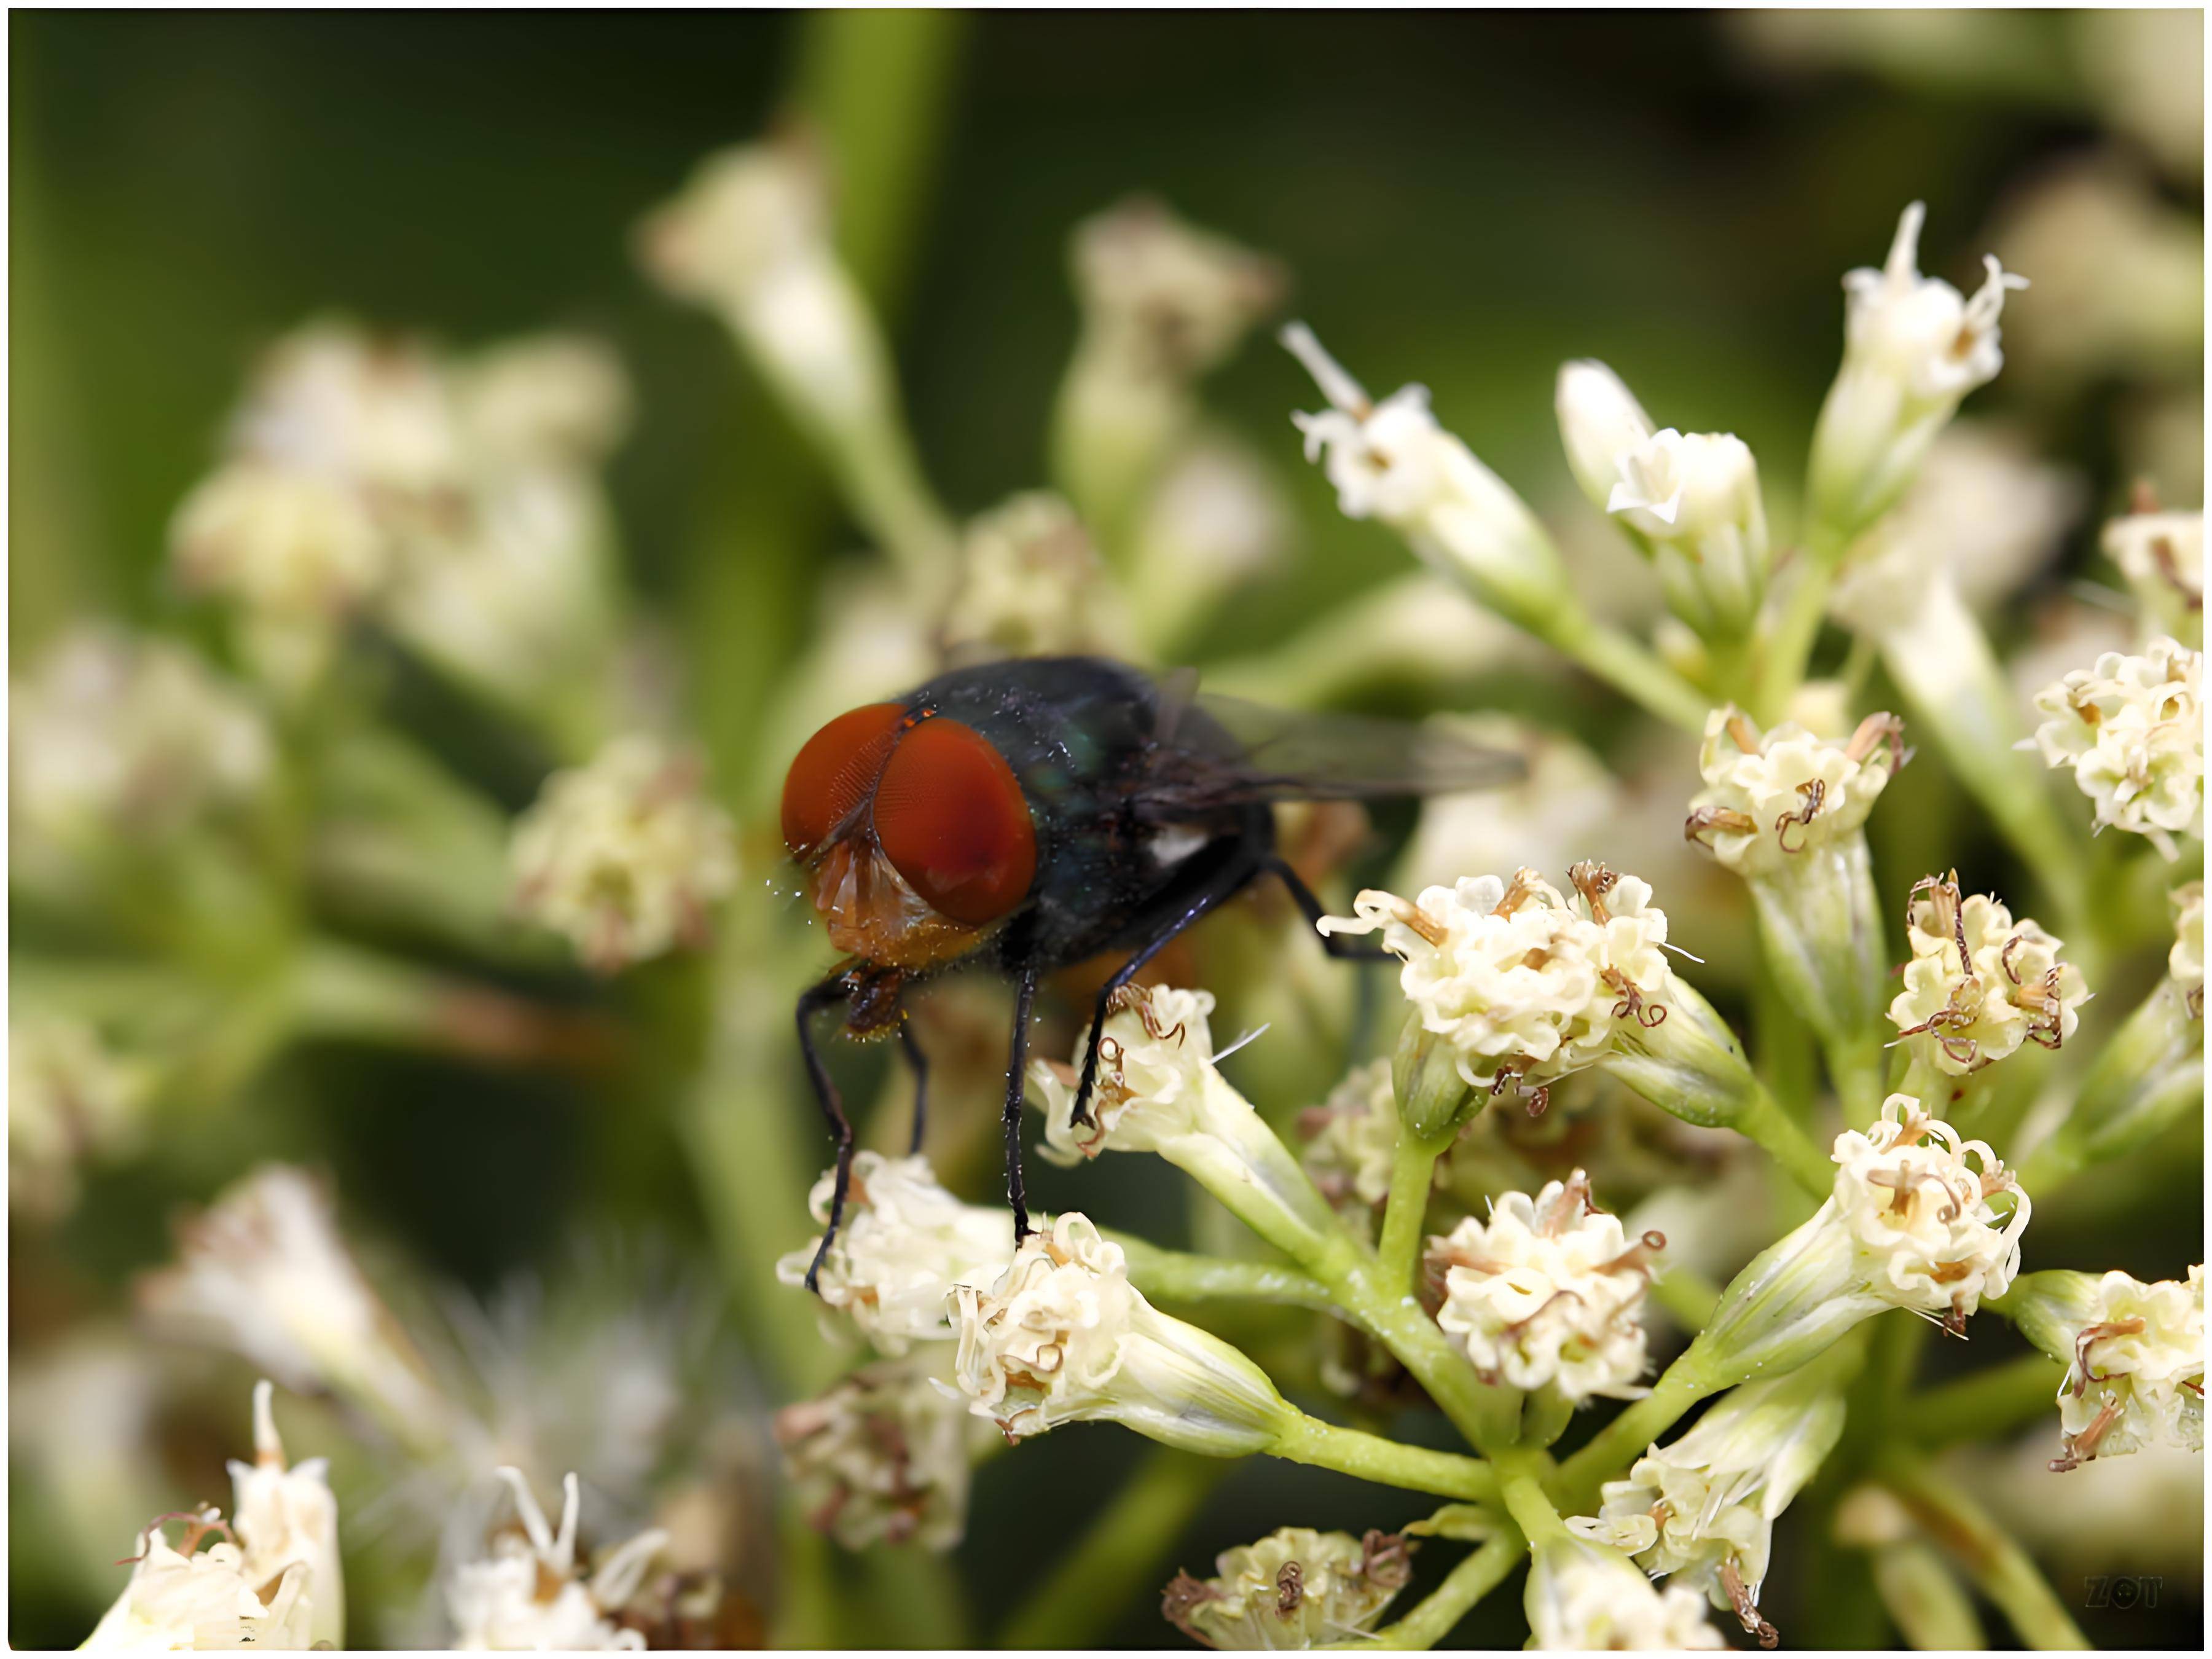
x,y
1980,984
1352,1138
880,1458
1549,1292
1525,985
625,855
1583,1596
2162,557
113,736
529,1593
273,1581
904,1245
2186,961
1295,1589
2136,1377
1705,1507
1164,298
1062,1335
1032,585
1156,1080
1773,797
1924,1233
2132,729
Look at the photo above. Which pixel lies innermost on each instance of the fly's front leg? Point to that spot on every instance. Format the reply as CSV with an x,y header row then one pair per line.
x,y
827,994
1016,1064
1304,897
917,1062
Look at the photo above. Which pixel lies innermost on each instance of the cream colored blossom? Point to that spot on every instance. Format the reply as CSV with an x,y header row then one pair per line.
x,y
1032,585
2186,961
117,737
70,1099
1295,1589
1705,1507
904,1244
530,1593
264,1274
1694,498
1980,984
880,1458
1925,1232
625,855
1165,298
1771,798
552,400
2162,557
1525,985
1352,1138
1156,1080
287,1518
1582,1596
2137,1374
179,1599
1549,1292
1063,1336
332,402
2132,730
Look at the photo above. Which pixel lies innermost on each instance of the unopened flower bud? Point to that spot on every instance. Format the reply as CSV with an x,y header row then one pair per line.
x,y
1432,1098
1295,1589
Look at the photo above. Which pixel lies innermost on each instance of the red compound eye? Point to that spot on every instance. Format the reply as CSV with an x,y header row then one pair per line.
x,y
950,816
834,772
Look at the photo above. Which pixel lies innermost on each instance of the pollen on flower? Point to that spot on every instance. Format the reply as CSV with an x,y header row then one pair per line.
x,y
626,856
1925,1225
2132,730
1773,797
905,1244
1294,1589
1550,1291
2136,1378
1980,984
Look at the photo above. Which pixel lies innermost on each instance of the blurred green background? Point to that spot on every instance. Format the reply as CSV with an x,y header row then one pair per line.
x,y
1464,200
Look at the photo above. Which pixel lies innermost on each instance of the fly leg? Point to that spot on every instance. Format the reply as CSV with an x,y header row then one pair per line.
x,y
918,1063
1016,1064
827,994
1231,880
1303,895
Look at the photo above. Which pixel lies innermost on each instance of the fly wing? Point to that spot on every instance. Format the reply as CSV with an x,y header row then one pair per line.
x,y
1222,752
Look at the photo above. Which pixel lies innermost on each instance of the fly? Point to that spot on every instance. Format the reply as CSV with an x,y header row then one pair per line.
x,y
1026,816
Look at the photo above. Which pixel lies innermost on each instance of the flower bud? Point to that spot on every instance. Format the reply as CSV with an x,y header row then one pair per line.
x,y
1062,1336
1694,500
1600,421
1296,1588
1432,1098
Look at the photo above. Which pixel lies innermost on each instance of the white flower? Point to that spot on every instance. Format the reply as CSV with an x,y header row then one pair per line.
x,y
70,1099
1549,1292
287,1517
1295,1589
1600,422
329,401
1156,1080
528,1594
1913,346
1352,1138
264,1274
1392,461
1705,1506
183,1600
2132,729
553,400
1582,1596
1980,984
1923,1232
882,1456
1032,585
2162,557
1162,297
2186,961
114,736
1525,986
1063,1336
904,1244
1696,500
2136,1375
1772,798
624,855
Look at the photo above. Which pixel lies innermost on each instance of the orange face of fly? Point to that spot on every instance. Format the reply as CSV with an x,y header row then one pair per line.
x,y
913,830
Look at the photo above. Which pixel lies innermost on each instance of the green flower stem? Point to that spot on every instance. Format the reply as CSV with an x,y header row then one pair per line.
x,y
1522,1486
1687,1295
1789,641
1626,1439
1439,1615
1630,669
1488,1417
1999,1567
1772,1129
1411,1177
2150,1073
1303,1439
1988,1403
1120,1555
1179,1276
1855,1067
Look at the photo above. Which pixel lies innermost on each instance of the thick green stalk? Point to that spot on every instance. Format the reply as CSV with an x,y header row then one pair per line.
x,y
1120,1555
1303,1440
1521,1487
1626,1439
1768,1125
1439,1615
1991,1557
1411,1177
1987,1404
1179,1276
1632,669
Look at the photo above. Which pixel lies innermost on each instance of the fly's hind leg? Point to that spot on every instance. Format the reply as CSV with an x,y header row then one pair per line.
x,y
1343,950
1017,1066
827,994
918,1063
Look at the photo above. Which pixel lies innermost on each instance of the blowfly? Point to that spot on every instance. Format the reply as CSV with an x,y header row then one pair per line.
x,y
1029,815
